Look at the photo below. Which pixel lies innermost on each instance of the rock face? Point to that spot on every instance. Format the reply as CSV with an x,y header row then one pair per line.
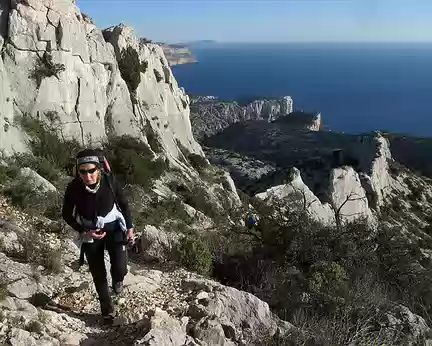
x,y
297,194
57,66
210,116
347,196
39,184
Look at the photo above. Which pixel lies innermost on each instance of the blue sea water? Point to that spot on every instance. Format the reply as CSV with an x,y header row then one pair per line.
x,y
356,87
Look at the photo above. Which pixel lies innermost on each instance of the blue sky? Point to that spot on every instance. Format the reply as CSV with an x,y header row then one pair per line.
x,y
268,20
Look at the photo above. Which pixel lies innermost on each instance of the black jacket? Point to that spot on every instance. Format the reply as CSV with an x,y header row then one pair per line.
x,y
89,205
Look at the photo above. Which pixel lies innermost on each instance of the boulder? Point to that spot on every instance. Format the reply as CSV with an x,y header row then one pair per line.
x,y
164,330
156,244
403,325
240,314
39,184
21,337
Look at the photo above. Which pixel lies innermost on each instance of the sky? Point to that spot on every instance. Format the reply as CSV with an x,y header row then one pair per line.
x,y
175,21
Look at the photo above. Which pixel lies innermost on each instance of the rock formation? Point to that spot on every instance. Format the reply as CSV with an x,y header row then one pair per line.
x,y
210,116
178,54
56,66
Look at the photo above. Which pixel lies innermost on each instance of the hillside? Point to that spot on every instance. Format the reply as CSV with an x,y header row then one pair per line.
x,y
341,254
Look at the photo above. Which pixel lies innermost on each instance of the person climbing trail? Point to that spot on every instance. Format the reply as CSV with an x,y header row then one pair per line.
x,y
95,206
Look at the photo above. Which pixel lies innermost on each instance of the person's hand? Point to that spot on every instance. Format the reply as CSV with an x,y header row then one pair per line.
x,y
130,236
93,233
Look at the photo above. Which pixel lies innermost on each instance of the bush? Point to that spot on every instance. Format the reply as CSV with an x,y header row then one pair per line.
x,y
198,162
3,291
198,198
153,139
159,212
36,251
194,254
158,76
45,68
50,150
133,162
144,66
130,67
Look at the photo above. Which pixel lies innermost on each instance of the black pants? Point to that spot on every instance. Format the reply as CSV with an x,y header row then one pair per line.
x,y
95,252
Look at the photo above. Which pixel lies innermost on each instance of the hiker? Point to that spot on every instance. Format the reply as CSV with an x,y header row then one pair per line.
x,y
251,221
95,206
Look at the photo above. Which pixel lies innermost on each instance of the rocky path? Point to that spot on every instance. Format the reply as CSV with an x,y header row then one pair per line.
x,y
163,306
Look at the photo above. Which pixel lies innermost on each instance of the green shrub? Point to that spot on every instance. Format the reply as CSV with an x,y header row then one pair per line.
x,y
21,193
133,162
198,198
144,66
41,165
198,162
35,251
153,139
45,68
50,150
158,76
3,291
329,279
34,327
194,254
159,212
130,67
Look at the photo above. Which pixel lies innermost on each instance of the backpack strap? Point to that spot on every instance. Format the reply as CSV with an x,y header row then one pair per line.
x,y
109,179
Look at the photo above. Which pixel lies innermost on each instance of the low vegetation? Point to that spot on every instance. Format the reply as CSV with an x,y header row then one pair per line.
x,y
45,68
130,67
336,283
133,162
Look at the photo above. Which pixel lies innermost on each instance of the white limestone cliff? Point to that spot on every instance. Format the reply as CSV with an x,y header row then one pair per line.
x,y
86,98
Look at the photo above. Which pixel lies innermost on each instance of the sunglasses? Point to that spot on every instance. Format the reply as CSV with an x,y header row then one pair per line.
x,y
88,171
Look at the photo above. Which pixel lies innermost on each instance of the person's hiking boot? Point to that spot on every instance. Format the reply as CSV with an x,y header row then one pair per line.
x,y
118,287
108,312
109,318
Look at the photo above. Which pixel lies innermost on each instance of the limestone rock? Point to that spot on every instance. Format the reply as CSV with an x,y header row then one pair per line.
x,y
21,337
84,96
40,184
164,330
414,328
162,105
297,195
156,244
210,330
238,310
347,196
210,116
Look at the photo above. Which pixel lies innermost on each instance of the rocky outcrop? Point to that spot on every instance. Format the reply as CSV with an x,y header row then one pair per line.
x,y
210,116
56,66
178,55
38,183
347,196
158,100
296,195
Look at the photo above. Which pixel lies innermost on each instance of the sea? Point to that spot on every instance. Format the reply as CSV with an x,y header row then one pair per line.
x,y
357,88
